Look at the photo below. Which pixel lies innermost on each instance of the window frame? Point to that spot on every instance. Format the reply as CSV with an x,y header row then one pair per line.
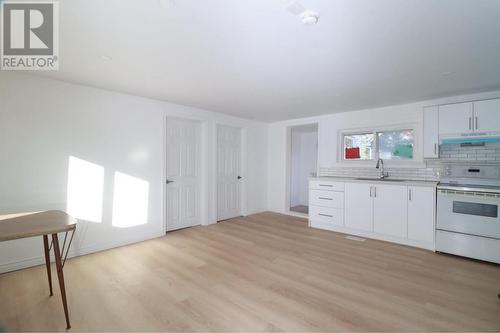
x,y
375,130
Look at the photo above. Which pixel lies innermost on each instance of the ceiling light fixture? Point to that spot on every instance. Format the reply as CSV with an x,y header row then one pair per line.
x,y
309,17
106,58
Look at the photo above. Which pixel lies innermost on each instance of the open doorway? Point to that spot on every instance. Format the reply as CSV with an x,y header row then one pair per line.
x,y
303,165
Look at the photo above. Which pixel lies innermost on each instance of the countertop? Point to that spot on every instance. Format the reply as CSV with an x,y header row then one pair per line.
x,y
389,181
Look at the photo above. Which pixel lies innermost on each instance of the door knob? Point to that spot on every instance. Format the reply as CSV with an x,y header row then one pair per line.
x,y
169,181
239,177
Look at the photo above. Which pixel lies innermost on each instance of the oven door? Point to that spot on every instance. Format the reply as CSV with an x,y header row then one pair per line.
x,y
474,213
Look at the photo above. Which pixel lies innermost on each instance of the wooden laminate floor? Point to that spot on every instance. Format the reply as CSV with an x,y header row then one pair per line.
x,y
265,272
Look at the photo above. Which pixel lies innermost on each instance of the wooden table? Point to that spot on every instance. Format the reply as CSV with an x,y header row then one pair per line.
x,y
17,226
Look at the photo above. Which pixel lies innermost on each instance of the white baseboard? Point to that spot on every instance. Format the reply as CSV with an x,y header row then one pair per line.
x,y
39,260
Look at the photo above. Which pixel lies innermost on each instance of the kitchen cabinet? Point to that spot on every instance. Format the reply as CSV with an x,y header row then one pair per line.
x,y
324,217
326,185
326,204
431,132
421,213
385,210
322,198
376,207
390,210
327,136
487,116
359,206
471,119
455,118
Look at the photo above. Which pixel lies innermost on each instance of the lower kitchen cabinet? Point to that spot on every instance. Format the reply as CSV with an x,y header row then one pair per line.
x,y
323,217
390,210
326,204
330,199
387,211
421,216
359,206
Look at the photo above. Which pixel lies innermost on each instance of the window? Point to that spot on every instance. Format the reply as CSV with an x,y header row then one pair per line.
x,y
395,145
359,146
388,145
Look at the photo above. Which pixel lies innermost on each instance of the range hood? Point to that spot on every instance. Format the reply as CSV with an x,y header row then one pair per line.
x,y
475,141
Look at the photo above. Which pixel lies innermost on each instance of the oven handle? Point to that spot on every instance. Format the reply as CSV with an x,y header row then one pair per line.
x,y
469,194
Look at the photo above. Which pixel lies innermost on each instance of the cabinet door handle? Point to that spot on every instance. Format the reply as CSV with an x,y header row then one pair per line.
x,y
371,189
475,122
435,149
409,194
322,198
470,123
325,215
375,191
324,185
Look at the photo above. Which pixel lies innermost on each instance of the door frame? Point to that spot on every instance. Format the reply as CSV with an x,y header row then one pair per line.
x,y
203,172
288,160
243,170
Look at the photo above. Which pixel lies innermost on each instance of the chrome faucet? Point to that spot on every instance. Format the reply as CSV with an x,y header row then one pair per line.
x,y
380,165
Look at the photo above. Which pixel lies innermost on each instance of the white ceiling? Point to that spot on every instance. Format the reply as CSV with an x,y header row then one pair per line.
x,y
254,59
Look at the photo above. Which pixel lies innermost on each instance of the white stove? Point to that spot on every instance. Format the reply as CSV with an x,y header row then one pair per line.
x,y
468,221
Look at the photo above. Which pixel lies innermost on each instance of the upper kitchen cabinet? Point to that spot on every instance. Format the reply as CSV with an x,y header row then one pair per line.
x,y
480,118
431,132
455,118
327,143
487,116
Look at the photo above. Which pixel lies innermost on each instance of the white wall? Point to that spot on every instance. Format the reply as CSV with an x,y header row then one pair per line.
x,y
328,145
43,122
303,160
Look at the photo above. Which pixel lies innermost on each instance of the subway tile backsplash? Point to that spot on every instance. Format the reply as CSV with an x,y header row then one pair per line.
x,y
449,153
489,153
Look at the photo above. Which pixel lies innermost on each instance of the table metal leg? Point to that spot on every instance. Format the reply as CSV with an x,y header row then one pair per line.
x,y
47,261
60,276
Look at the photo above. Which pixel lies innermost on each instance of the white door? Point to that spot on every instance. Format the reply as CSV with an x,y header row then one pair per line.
x,y
431,132
487,116
455,118
359,206
421,201
390,210
183,173
228,172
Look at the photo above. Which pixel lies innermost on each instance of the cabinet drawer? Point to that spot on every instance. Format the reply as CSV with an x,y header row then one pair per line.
x,y
326,199
328,216
326,185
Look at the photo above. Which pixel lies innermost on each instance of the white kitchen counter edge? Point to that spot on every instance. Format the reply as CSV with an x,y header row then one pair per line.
x,y
389,181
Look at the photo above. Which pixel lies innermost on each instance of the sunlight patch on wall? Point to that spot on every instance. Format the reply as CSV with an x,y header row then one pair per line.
x,y
85,190
130,202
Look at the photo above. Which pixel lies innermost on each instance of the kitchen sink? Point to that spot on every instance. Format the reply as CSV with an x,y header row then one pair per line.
x,y
382,179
